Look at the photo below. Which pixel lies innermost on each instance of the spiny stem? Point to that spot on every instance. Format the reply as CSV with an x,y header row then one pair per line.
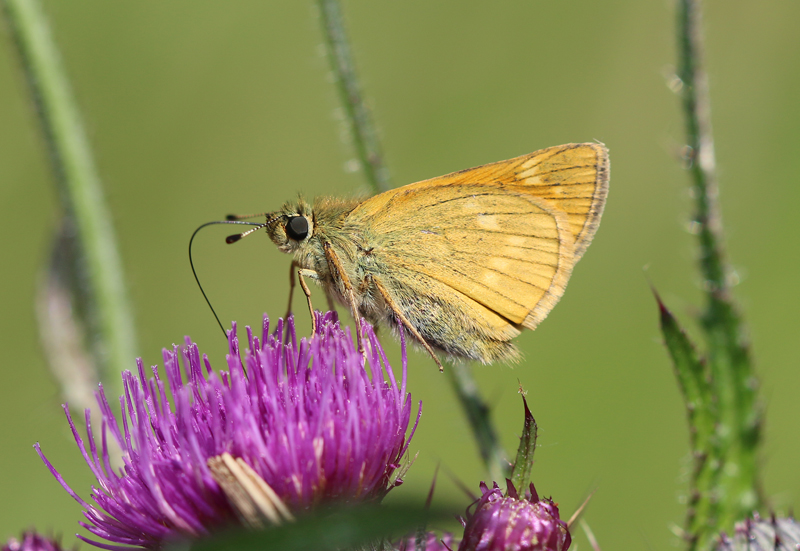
x,y
736,489
358,118
700,147
79,186
368,148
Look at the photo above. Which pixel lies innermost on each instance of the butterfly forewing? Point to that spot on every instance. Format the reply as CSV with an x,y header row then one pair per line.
x,y
506,250
573,178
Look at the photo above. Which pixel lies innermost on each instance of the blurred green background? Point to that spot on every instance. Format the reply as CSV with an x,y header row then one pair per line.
x,y
198,109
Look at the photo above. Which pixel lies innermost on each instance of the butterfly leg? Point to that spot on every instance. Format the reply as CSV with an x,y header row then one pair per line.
x,y
331,304
301,275
339,275
387,298
292,271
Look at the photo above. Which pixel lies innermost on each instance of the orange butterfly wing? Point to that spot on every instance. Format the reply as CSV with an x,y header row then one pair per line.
x,y
571,177
505,235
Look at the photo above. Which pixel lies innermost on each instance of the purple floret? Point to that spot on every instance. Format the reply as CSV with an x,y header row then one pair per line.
x,y
310,418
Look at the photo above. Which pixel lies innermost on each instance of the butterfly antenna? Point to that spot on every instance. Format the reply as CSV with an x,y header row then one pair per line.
x,y
232,217
191,262
237,236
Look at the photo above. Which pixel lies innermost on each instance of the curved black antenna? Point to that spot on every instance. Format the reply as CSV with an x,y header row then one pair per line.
x,y
243,216
194,272
237,236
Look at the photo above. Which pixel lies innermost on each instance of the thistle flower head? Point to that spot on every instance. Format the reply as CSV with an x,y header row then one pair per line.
x,y
298,423
759,534
31,541
514,523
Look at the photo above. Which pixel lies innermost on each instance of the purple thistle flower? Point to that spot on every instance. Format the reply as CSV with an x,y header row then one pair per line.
x,y
305,424
31,541
759,534
514,524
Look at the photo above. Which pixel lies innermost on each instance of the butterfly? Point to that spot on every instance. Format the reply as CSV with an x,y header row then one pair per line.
x,y
461,263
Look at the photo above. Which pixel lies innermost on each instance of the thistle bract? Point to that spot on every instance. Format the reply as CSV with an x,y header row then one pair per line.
x,y
514,523
309,422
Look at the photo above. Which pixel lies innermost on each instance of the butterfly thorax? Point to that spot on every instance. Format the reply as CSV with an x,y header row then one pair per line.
x,y
329,222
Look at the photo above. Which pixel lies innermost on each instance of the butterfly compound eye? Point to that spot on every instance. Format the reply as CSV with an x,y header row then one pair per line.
x,y
297,228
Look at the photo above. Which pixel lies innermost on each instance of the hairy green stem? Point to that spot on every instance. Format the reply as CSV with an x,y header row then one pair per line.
x,y
734,491
368,148
357,115
79,188
480,421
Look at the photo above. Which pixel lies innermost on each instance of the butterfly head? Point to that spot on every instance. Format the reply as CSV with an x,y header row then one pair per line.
x,y
291,227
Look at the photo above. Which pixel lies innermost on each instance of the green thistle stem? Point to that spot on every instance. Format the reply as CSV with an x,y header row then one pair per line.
x,y
358,118
79,188
725,487
479,417
368,148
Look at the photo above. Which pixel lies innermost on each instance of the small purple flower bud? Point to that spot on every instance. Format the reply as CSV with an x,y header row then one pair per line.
x,y
31,541
758,534
293,426
514,523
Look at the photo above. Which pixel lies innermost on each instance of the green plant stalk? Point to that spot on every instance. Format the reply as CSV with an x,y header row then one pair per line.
x,y
357,115
367,144
480,421
79,187
734,384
